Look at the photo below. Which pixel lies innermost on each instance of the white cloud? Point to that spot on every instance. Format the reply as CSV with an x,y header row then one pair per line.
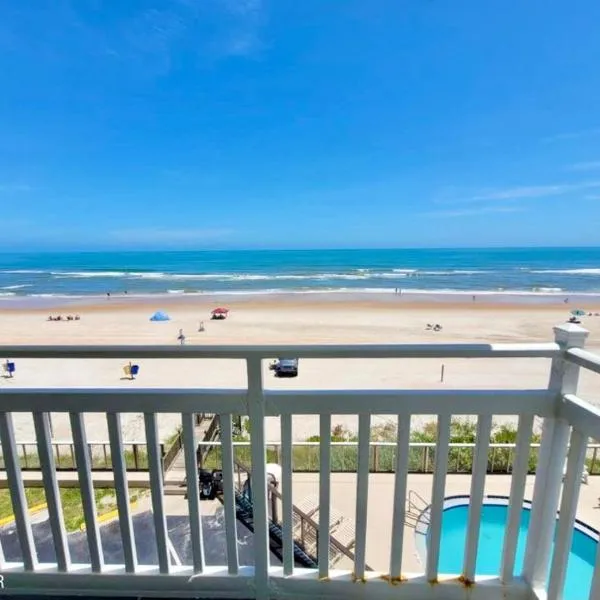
x,y
242,39
572,135
585,166
472,212
523,192
148,39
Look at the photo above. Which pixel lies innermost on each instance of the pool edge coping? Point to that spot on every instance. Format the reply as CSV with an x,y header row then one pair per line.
x,y
423,522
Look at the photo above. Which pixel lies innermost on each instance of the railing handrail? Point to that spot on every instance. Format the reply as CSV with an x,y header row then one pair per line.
x,y
584,358
304,443
520,350
89,442
538,402
386,444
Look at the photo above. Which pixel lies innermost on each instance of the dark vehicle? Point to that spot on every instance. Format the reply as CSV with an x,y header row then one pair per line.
x,y
210,482
285,367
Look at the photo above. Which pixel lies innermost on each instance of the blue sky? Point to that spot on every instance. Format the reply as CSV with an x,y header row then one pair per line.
x,y
255,123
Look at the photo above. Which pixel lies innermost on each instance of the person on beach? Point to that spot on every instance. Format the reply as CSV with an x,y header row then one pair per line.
x,y
181,337
201,326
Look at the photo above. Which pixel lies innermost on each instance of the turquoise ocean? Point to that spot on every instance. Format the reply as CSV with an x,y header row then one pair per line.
x,y
539,272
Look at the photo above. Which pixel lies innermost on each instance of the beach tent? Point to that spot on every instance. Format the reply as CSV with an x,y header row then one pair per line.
x,y
220,311
159,315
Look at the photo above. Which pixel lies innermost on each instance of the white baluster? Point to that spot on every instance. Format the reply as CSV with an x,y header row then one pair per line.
x,y
191,475
286,491
41,422
402,451
517,494
229,493
437,497
256,410
362,494
17,494
156,483
484,430
122,490
88,501
324,494
568,510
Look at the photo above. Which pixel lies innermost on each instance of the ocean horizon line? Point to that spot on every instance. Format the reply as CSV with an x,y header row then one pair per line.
x,y
117,250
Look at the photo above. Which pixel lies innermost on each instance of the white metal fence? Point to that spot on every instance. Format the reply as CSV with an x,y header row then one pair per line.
x,y
568,422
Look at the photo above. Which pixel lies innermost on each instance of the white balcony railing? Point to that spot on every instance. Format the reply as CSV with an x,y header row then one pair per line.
x,y
568,422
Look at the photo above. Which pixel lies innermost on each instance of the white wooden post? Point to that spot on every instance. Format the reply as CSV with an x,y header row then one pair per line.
x,y
563,380
256,412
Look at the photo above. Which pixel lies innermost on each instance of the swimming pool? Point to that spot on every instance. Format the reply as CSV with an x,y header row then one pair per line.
x,y
494,516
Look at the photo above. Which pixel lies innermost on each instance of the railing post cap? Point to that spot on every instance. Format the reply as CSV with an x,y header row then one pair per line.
x,y
570,335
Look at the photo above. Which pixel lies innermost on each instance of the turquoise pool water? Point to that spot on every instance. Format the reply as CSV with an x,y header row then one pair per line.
x,y
491,538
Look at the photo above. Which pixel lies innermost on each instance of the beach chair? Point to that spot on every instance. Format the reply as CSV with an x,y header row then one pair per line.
x,y
131,370
8,368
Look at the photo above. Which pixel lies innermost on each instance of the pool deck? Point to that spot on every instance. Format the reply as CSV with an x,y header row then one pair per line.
x,y
381,493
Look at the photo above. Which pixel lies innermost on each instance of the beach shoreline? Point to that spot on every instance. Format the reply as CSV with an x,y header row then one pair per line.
x,y
406,300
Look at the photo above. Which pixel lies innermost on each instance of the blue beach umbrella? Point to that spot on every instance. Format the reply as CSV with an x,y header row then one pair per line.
x,y
159,315
578,312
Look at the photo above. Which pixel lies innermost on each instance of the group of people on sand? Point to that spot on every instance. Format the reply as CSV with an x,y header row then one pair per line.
x,y
576,321
67,318
435,327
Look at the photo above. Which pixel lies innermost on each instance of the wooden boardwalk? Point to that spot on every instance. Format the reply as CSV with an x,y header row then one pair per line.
x,y
176,474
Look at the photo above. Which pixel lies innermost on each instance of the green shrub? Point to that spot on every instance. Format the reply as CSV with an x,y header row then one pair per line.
x,y
383,458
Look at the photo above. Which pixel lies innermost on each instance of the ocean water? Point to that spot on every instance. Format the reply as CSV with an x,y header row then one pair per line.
x,y
539,271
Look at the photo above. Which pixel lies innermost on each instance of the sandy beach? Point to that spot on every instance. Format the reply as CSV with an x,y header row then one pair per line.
x,y
287,322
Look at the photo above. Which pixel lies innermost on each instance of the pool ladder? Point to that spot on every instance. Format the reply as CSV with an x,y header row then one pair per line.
x,y
417,511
